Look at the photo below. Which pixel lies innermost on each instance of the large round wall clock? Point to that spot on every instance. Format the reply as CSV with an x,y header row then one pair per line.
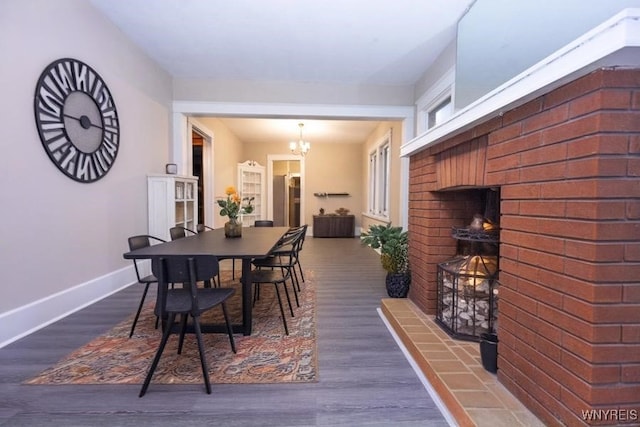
x,y
77,120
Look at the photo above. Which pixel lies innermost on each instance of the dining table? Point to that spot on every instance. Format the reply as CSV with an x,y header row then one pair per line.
x,y
255,243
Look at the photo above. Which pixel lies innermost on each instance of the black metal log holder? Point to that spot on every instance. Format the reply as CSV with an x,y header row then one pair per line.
x,y
468,287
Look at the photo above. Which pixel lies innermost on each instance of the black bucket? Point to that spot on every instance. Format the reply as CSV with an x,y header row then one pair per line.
x,y
489,352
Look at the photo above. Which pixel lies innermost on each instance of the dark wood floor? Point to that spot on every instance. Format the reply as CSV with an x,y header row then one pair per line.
x,y
364,377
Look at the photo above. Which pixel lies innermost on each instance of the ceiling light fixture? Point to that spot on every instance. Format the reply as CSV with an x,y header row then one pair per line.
x,y
300,147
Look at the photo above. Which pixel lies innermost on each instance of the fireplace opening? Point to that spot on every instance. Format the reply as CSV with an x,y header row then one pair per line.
x,y
467,285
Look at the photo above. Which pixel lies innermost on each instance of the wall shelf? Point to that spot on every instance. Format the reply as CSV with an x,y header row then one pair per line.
x,y
331,194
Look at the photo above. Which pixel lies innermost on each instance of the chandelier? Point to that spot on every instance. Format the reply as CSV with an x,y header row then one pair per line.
x,y
300,147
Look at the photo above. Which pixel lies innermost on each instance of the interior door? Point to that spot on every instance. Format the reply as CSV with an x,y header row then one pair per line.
x,y
285,166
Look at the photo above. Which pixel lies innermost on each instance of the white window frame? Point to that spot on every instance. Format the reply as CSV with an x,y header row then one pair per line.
x,y
440,112
433,98
380,178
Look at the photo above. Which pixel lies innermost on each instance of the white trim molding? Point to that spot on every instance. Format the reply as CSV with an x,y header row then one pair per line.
x,y
22,321
208,166
270,110
293,157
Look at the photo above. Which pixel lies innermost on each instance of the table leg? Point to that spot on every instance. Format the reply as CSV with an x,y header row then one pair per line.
x,y
247,309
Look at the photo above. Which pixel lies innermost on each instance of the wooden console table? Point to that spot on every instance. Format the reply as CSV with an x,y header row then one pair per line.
x,y
334,225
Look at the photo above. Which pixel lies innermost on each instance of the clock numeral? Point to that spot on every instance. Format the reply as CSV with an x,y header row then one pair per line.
x,y
110,112
50,101
92,166
111,129
84,168
97,87
67,161
46,119
104,102
81,77
56,142
61,77
102,162
110,145
51,125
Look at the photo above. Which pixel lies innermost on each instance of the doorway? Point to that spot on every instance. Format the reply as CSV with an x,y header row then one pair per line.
x,y
285,189
286,193
197,145
200,152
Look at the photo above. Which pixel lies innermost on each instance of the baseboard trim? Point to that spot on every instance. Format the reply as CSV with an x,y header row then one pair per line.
x,y
25,320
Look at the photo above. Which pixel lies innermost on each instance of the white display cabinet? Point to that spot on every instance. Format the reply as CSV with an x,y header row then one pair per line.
x,y
172,200
251,183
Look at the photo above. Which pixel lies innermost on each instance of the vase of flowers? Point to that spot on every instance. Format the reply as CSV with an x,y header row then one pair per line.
x,y
232,206
233,228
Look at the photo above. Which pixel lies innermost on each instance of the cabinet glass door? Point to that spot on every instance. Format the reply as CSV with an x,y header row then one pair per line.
x,y
251,184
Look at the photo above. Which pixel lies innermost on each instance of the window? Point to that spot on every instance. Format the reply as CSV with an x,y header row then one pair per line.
x,y
379,170
436,104
439,113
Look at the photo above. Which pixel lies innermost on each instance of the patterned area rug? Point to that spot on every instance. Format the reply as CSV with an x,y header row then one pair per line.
x,y
267,356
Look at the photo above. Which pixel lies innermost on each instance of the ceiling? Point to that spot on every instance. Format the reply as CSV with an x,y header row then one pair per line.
x,y
373,42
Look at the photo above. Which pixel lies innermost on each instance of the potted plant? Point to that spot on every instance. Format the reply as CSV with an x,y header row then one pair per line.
x,y
232,207
393,244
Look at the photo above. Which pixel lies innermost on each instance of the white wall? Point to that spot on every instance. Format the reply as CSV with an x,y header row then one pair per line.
x,y
498,39
62,241
291,93
445,61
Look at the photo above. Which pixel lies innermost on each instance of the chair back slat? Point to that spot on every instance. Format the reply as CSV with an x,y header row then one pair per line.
x,y
175,268
179,232
138,242
185,269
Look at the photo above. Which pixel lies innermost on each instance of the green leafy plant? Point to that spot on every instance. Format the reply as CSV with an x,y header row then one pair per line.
x,y
232,205
393,243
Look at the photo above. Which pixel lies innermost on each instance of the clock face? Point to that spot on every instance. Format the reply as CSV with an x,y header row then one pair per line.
x,y
77,120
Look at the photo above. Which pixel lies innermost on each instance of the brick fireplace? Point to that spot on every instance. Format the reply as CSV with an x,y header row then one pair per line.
x,y
567,166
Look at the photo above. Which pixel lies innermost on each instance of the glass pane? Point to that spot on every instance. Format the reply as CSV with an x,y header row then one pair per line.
x,y
179,212
441,112
189,212
179,190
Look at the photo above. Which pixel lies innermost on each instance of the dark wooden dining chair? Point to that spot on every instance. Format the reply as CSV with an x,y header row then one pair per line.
x,y
201,228
179,232
138,242
296,249
188,302
289,246
276,270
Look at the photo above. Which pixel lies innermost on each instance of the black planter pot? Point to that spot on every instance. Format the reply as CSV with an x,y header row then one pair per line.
x,y
398,284
489,352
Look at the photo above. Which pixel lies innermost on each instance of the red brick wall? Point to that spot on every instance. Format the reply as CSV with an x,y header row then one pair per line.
x,y
568,166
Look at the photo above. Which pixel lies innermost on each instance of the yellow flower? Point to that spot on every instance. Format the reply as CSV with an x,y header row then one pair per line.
x,y
231,206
